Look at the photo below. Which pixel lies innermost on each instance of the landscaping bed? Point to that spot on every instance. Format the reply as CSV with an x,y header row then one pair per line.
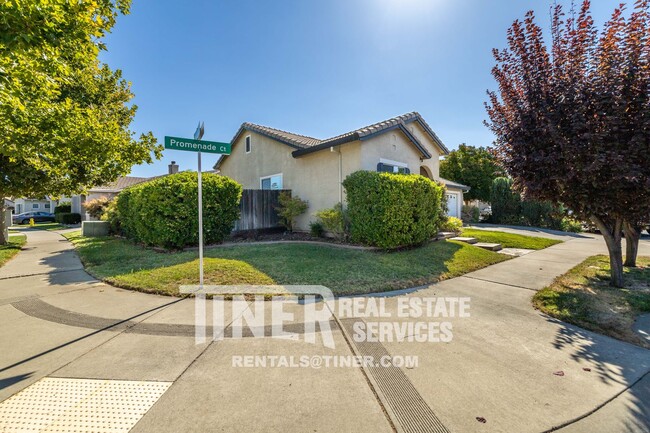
x,y
584,297
16,241
510,240
122,263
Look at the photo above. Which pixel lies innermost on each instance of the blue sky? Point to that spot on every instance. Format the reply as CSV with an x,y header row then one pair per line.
x,y
317,68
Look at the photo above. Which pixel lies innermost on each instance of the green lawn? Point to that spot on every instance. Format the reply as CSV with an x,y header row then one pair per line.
x,y
510,240
584,297
12,248
345,271
49,226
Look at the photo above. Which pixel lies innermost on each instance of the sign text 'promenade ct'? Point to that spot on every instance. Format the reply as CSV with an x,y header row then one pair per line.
x,y
187,144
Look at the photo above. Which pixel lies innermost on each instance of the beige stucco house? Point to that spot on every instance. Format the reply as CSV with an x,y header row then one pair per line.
x,y
313,169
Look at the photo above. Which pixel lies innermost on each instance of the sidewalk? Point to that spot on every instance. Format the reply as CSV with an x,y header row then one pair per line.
x,y
499,365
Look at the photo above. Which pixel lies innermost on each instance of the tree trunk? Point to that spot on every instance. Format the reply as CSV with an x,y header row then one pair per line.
x,y
612,235
3,239
632,236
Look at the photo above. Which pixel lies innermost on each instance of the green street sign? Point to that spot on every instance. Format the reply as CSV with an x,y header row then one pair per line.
x,y
190,145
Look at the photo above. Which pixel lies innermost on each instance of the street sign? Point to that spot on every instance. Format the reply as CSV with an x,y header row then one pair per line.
x,y
197,145
191,145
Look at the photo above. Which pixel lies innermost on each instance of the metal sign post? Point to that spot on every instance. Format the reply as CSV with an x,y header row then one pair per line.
x,y
198,145
198,134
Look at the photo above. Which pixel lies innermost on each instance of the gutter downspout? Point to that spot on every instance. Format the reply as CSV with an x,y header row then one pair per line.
x,y
340,176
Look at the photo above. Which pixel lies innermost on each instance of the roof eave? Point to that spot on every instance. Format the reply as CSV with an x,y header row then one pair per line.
x,y
241,130
326,145
430,132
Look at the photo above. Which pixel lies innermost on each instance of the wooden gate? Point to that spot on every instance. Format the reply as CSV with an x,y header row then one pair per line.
x,y
257,209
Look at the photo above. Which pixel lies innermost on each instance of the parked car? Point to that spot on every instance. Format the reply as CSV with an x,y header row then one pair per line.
x,y
39,217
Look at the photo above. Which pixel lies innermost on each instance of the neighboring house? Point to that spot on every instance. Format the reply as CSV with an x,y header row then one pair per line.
x,y
268,158
22,205
111,190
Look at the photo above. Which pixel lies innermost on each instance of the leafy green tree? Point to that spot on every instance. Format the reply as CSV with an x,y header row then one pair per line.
x,y
290,208
506,203
64,116
571,119
475,167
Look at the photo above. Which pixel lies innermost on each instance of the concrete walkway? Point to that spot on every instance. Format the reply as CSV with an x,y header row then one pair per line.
x,y
501,367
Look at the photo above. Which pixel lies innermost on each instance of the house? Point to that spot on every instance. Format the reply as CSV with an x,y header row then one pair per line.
x,y
22,205
314,169
111,190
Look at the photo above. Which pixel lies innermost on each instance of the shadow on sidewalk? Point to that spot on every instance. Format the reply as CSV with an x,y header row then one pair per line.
x,y
603,355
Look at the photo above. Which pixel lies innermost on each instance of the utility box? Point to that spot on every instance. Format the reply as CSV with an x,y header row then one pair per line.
x,y
95,229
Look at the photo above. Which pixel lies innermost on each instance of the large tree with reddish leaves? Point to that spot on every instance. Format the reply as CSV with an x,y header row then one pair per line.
x,y
572,119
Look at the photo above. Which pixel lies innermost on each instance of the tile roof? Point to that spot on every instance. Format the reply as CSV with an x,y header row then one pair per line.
x,y
305,144
290,138
121,183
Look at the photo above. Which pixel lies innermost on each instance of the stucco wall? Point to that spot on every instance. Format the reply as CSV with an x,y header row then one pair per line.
x,y
316,177
394,145
313,177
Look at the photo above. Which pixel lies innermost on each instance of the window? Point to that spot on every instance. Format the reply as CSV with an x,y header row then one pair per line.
x,y
390,168
271,182
35,206
248,144
47,205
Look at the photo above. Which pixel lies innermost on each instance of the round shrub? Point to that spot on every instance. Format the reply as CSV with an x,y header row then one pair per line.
x,y
392,210
452,224
164,211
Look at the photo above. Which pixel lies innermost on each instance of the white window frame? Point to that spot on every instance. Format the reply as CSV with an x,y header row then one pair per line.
x,y
36,206
272,176
248,142
396,164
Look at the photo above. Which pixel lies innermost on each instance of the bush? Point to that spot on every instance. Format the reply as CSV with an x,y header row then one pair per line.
x,y
569,224
65,207
392,210
316,229
96,207
334,220
470,214
164,211
112,216
452,224
290,208
539,214
506,204
67,218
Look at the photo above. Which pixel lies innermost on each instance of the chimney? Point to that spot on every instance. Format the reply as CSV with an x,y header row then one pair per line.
x,y
173,168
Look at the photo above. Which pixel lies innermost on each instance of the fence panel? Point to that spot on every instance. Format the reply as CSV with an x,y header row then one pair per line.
x,y
257,209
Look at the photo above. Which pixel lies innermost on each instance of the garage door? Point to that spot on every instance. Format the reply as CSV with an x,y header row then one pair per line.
x,y
452,205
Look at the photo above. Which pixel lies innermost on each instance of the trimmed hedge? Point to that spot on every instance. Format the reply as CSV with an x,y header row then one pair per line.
x,y
392,210
63,208
164,211
67,218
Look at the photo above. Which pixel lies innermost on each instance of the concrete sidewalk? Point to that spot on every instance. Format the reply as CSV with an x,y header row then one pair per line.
x,y
500,365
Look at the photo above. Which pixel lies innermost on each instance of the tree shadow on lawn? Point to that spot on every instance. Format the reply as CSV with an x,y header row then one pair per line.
x,y
349,272
615,362
345,271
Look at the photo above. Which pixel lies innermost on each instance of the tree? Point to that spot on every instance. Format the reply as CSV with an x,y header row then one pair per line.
x,y
572,121
475,167
290,208
96,207
506,203
64,116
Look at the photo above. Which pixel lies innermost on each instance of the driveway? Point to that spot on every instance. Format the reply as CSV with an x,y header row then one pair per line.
x,y
507,368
